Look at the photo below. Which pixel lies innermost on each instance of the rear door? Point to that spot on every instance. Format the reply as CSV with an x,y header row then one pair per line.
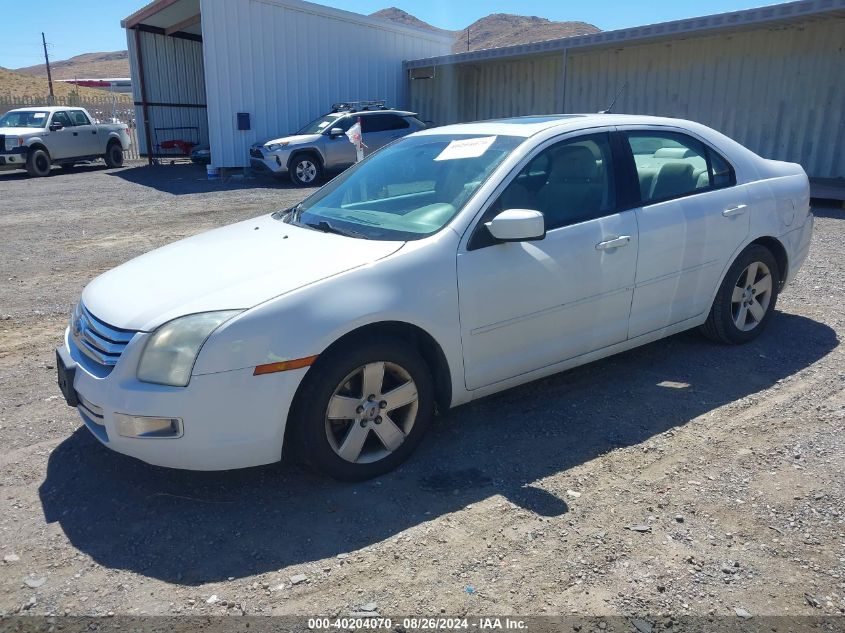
x,y
382,128
88,142
692,218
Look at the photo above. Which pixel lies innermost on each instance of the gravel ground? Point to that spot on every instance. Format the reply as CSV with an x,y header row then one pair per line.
x,y
680,478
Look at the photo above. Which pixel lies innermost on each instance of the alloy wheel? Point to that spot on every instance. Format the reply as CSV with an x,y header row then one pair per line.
x,y
371,412
306,171
751,296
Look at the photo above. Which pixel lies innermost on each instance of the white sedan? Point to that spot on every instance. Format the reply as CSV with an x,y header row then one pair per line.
x,y
452,264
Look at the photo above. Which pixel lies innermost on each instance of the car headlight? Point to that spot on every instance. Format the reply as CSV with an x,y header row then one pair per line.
x,y
13,142
272,147
169,355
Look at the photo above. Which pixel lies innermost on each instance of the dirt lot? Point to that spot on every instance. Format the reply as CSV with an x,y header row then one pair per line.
x,y
727,462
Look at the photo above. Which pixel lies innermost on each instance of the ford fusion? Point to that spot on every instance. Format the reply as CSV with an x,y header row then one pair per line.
x,y
454,263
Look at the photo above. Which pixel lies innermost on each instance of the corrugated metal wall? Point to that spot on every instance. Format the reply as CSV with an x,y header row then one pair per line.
x,y
173,69
285,65
779,91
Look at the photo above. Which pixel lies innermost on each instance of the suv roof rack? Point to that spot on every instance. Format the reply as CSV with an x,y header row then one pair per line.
x,y
357,106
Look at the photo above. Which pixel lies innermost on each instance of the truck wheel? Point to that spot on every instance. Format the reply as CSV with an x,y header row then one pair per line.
x,y
38,163
114,155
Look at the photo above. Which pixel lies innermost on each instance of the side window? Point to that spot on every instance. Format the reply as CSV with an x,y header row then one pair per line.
x,y
570,182
78,117
383,122
672,165
62,117
723,174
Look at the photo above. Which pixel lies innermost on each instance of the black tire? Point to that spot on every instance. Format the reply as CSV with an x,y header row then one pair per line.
x,y
305,170
38,163
722,322
335,370
114,155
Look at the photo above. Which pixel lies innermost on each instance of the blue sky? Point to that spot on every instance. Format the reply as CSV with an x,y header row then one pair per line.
x,y
94,25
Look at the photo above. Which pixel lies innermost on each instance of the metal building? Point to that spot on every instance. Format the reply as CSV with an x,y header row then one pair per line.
x,y
773,78
229,73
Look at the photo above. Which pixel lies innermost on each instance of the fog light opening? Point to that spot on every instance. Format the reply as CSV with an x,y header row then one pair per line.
x,y
147,427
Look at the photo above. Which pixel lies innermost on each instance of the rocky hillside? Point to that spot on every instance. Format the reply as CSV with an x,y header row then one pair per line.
x,y
88,66
498,29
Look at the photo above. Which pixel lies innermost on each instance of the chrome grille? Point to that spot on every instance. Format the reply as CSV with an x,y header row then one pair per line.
x,y
99,341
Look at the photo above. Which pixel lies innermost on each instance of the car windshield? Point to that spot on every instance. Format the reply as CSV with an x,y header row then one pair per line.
x,y
24,119
408,190
318,126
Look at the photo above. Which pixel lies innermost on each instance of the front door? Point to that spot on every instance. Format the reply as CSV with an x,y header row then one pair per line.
x,y
62,143
339,150
528,305
692,220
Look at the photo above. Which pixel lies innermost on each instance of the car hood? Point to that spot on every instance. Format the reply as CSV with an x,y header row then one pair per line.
x,y
237,266
21,131
296,139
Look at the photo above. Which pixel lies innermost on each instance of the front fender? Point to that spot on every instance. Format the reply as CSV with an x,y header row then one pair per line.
x,y
416,285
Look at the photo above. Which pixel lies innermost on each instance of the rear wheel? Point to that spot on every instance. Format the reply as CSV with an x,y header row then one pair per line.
x,y
305,170
746,299
114,155
364,409
38,163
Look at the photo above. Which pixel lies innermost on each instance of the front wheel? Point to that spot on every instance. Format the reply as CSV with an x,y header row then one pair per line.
x,y
114,155
364,409
305,170
38,163
746,299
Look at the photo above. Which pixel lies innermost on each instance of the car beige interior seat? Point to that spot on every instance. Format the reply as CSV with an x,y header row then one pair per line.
x,y
573,191
673,179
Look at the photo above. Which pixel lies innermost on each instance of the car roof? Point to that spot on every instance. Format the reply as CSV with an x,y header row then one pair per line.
x,y
526,126
46,108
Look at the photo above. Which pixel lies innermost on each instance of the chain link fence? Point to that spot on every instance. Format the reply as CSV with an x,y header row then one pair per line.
x,y
106,109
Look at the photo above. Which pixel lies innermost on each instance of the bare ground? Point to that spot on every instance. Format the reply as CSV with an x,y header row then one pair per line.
x,y
726,461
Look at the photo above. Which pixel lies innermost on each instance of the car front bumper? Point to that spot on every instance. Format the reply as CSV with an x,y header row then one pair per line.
x,y
12,160
268,162
226,420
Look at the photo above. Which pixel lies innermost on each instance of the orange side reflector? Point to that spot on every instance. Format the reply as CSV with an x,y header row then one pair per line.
x,y
272,368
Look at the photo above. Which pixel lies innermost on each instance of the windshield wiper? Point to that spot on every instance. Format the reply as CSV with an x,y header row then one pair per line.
x,y
325,227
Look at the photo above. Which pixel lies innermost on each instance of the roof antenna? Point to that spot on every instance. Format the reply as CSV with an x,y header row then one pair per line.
x,y
613,103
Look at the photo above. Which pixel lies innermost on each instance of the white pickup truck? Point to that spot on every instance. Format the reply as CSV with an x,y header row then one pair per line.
x,y
37,138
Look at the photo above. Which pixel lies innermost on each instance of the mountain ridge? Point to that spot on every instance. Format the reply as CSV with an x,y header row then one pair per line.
x,y
492,31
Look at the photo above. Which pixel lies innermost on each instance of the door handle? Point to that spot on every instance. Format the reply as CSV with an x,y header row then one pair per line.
x,y
614,242
732,211
76,133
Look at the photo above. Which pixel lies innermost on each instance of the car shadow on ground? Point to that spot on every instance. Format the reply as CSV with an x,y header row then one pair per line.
x,y
187,178
191,528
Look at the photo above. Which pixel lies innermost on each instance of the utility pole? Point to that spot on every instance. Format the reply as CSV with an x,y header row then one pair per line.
x,y
49,75
467,39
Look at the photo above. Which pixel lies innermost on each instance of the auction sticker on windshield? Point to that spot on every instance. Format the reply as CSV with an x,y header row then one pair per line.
x,y
466,148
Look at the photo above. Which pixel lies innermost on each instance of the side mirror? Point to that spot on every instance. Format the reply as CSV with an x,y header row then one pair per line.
x,y
517,225
335,132
55,125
